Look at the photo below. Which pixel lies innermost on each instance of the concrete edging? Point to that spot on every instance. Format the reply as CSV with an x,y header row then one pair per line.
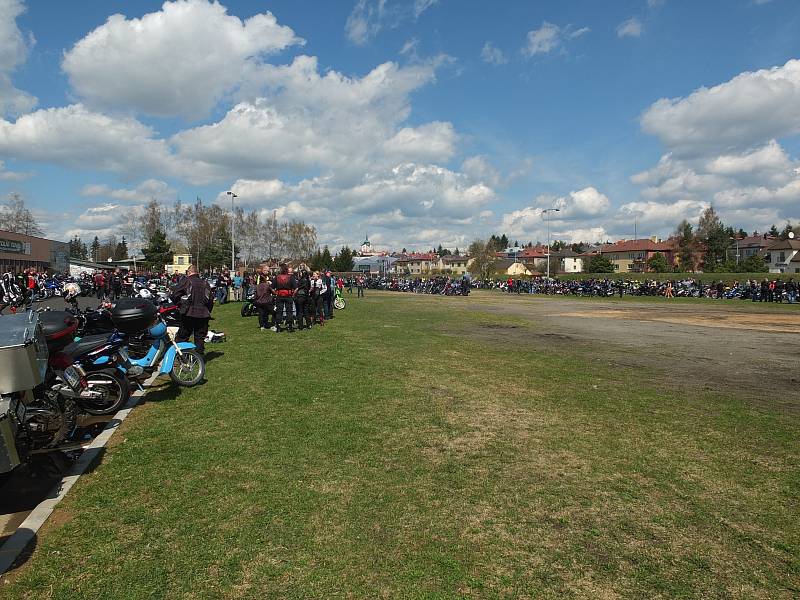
x,y
27,530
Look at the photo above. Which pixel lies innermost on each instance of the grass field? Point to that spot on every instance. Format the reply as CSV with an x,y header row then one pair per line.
x,y
408,450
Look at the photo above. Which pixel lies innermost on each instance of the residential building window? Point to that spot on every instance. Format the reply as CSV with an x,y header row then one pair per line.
x,y
782,257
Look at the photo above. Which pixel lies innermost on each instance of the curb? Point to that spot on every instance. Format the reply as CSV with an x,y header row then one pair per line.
x,y
27,530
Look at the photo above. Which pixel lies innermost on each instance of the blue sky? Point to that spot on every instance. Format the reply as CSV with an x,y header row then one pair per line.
x,y
417,122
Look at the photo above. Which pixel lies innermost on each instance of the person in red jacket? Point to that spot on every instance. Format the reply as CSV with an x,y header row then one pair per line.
x,y
285,289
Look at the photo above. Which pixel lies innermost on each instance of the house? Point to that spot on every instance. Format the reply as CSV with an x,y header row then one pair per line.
x,y
417,264
743,248
569,261
631,256
374,265
783,256
180,262
512,268
454,264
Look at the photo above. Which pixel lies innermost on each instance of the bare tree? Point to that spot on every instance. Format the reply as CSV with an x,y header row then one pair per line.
x,y
15,217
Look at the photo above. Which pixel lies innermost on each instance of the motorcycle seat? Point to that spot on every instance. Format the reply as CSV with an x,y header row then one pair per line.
x,y
86,345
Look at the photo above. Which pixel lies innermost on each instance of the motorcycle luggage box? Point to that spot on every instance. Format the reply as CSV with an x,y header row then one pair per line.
x,y
132,315
59,328
23,352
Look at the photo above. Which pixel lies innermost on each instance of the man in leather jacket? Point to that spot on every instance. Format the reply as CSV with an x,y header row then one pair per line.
x,y
196,301
285,289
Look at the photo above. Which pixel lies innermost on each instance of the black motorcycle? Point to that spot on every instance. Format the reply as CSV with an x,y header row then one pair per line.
x,y
249,307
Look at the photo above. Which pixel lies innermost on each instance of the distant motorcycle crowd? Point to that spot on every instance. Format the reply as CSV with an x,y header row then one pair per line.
x,y
766,290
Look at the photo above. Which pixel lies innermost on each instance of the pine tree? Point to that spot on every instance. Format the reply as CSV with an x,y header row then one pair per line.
x,y
121,251
327,259
686,246
344,260
773,231
95,248
158,251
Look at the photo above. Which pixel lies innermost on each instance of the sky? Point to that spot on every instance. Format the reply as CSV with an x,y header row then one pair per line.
x,y
416,122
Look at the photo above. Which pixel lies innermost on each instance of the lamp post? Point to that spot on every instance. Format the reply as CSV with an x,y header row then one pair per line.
x,y
544,212
233,217
735,239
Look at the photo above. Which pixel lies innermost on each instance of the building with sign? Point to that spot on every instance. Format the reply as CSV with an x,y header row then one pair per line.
x,y
19,252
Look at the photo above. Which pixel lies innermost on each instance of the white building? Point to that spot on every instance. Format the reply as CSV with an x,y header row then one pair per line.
x,y
783,257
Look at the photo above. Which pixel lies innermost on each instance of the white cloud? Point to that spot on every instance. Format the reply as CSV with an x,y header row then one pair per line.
x,y
307,120
432,141
13,52
420,6
543,40
493,55
657,3
410,47
578,215
180,60
76,137
6,175
662,216
150,188
747,110
369,17
478,169
550,37
630,28
765,160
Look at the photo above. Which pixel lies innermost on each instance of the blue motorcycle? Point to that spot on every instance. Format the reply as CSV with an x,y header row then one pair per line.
x,y
180,360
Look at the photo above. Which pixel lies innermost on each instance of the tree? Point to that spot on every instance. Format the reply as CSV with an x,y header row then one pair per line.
x,y
16,218
600,264
657,263
578,248
773,231
741,234
158,252
344,260
787,229
482,258
78,249
121,251
754,264
456,252
95,248
686,246
326,259
151,223
711,231
315,264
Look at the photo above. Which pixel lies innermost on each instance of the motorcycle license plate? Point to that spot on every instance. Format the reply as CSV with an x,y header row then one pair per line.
x,y
72,377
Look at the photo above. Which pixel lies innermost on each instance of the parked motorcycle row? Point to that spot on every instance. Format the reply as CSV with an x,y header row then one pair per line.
x,y
440,285
58,366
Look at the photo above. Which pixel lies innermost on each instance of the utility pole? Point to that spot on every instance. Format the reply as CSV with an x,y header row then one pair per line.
x,y
233,217
544,212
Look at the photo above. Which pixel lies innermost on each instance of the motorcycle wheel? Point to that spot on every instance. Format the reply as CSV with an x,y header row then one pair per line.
x,y
115,388
189,368
339,303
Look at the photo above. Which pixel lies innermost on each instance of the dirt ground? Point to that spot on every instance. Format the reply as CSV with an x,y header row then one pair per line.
x,y
749,350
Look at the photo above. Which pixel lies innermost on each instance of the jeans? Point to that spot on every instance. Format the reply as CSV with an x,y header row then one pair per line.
x,y
264,312
222,294
360,292
301,307
285,305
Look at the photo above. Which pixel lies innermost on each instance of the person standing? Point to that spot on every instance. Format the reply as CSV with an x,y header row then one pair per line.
x,y
115,285
196,303
317,295
264,300
302,301
237,287
285,288
327,297
360,285
99,285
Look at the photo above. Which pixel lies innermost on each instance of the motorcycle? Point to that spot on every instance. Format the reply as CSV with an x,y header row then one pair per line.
x,y
249,307
33,417
180,360
339,302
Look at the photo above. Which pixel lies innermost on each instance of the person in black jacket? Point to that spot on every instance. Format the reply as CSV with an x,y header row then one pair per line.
x,y
196,302
302,301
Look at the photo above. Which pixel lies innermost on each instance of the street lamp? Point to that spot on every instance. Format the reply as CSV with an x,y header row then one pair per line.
x,y
233,251
544,212
735,239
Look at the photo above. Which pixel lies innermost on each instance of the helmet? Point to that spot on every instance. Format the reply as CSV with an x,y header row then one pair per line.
x,y
71,290
145,293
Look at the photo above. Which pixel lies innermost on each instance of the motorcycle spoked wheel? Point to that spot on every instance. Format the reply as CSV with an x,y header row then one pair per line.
x,y
189,368
339,303
115,388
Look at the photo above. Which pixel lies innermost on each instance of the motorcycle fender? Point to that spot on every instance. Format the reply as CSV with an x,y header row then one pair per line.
x,y
169,355
102,360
